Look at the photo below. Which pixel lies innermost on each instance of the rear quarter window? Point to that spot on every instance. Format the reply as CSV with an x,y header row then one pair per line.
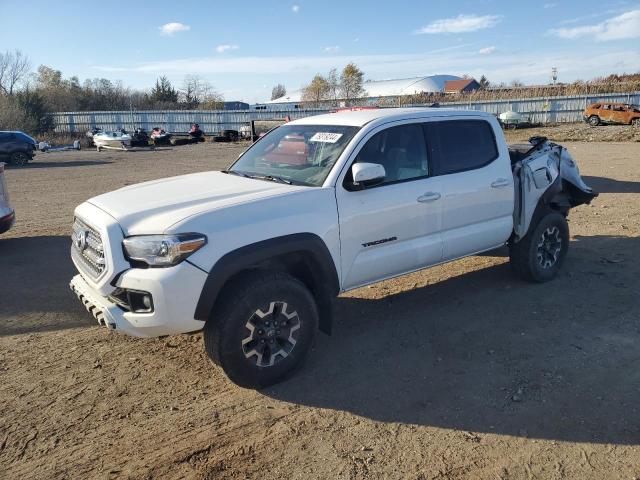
x,y
461,145
23,137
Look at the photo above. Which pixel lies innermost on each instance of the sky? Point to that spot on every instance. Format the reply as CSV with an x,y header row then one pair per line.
x,y
245,48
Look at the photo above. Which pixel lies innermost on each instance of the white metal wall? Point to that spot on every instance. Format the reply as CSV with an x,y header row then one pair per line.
x,y
211,121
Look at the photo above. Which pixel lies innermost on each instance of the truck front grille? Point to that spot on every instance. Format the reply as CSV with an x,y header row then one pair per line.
x,y
87,248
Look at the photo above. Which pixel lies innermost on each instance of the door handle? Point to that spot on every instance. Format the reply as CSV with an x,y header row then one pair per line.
x,y
428,197
501,183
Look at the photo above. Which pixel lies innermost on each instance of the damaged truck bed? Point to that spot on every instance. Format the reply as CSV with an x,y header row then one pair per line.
x,y
544,175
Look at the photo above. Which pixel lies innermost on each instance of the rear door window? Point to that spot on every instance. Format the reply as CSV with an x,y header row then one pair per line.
x,y
461,145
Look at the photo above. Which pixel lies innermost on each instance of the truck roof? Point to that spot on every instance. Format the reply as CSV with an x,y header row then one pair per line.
x,y
358,118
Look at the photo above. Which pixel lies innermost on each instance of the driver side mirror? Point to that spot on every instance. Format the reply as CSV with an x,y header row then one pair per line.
x,y
367,174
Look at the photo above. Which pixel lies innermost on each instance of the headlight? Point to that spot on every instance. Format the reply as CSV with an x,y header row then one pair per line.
x,y
162,250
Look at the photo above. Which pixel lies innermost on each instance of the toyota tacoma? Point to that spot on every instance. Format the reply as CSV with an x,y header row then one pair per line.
x,y
254,255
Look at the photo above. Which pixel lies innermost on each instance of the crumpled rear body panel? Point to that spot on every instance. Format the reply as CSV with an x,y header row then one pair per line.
x,y
545,174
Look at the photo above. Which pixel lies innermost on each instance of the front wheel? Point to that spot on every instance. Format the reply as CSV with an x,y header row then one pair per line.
x,y
636,122
262,328
594,120
19,159
539,255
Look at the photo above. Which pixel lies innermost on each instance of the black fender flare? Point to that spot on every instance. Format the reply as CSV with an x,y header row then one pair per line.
x,y
325,284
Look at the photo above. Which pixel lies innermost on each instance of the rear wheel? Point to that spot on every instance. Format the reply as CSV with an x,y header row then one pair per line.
x,y
636,122
594,120
539,255
262,329
19,159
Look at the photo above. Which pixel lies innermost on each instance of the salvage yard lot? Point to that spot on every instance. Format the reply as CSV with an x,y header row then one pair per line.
x,y
460,371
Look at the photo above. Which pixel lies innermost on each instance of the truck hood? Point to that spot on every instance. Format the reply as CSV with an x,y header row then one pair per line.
x,y
153,207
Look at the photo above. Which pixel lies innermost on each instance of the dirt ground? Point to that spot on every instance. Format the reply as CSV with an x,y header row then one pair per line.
x,y
457,372
579,132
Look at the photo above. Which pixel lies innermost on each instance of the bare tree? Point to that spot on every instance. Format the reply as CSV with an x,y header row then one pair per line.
x,y
212,101
334,86
191,90
317,90
14,68
351,80
278,91
199,93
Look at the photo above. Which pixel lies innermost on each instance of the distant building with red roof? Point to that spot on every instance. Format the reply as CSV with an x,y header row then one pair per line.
x,y
461,86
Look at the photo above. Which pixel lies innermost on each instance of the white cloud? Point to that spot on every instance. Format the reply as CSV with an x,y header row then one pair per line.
x,y
295,8
460,24
250,72
226,48
169,29
575,32
499,66
487,50
550,5
333,49
622,27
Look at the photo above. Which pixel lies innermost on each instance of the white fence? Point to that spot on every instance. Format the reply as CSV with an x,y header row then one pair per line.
x,y
543,110
210,121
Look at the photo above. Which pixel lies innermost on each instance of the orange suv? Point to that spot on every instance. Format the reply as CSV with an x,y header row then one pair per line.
x,y
601,113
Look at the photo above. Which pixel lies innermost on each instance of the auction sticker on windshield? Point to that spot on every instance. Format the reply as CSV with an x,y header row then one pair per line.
x,y
326,137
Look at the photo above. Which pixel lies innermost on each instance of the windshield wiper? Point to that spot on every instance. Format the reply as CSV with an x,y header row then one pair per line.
x,y
272,178
236,172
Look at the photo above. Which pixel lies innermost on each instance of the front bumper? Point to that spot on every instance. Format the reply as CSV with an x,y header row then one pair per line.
x,y
175,293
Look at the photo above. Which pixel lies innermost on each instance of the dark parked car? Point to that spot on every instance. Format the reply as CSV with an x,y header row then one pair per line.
x,y
17,148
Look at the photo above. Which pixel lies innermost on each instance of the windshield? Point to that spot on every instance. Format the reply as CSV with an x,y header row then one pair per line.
x,y
296,154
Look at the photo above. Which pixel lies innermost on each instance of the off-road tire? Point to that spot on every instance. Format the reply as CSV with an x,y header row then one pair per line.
x,y
19,159
594,120
241,304
635,122
525,256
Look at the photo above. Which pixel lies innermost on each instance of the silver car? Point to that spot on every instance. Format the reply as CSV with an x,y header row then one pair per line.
x,y
7,214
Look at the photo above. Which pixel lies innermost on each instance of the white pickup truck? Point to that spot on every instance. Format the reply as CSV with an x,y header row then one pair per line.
x,y
255,254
